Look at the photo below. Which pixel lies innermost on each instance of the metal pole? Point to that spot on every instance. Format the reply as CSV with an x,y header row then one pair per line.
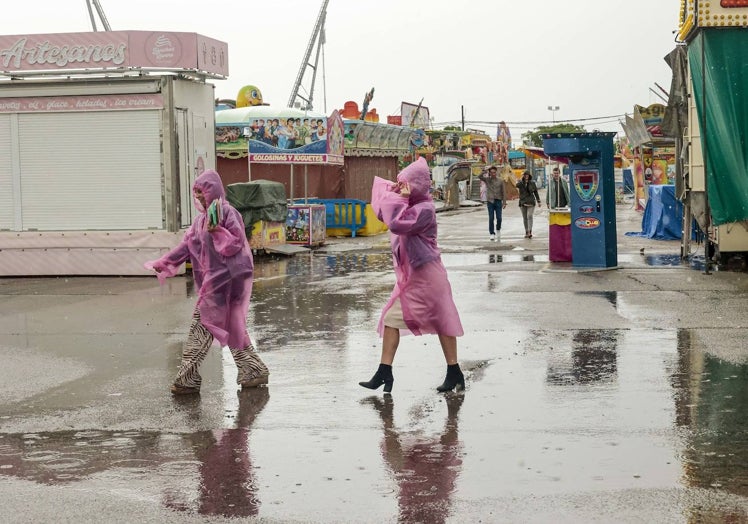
x,y
291,183
553,110
685,246
707,264
102,16
91,15
249,162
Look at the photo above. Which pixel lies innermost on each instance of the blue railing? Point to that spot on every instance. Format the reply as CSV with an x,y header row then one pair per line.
x,y
345,213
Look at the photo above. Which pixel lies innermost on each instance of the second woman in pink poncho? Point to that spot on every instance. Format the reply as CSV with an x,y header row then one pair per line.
x,y
421,302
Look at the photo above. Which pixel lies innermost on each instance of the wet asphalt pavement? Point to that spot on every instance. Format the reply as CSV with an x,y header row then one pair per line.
x,y
614,396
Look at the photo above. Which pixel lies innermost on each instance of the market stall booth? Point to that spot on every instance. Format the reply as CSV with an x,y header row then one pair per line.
x,y
653,153
101,136
372,149
709,111
285,145
290,141
246,150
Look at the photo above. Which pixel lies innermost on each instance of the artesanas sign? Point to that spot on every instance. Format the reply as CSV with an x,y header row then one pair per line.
x,y
114,49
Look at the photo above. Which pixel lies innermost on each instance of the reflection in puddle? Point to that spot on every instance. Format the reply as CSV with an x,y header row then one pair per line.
x,y
694,262
219,459
474,259
425,468
592,359
711,404
495,259
318,297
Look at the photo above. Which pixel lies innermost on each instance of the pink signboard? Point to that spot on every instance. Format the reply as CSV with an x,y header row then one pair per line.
x,y
160,50
52,104
325,146
291,158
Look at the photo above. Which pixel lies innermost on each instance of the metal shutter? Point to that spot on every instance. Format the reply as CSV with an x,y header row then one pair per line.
x,y
95,170
6,174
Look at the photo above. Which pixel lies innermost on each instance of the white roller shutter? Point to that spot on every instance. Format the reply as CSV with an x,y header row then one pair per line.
x,y
94,170
6,174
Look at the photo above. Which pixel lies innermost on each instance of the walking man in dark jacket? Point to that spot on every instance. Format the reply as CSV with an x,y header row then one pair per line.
x,y
495,201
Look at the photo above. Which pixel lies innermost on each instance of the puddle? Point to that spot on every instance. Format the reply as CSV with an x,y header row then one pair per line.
x,y
218,459
610,296
474,259
590,358
694,262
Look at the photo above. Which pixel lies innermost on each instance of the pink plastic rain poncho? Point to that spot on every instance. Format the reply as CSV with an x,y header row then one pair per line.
x,y
422,285
222,266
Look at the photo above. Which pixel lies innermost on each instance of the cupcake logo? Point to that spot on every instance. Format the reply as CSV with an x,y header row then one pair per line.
x,y
163,49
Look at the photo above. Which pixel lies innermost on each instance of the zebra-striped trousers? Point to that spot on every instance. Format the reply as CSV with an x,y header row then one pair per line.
x,y
250,366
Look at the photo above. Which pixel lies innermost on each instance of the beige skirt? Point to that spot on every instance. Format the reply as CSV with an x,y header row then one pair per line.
x,y
394,316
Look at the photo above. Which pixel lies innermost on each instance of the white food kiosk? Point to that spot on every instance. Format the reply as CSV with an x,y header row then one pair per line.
x,y
101,137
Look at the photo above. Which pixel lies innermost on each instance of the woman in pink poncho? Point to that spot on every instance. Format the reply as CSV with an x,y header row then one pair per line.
x,y
421,301
222,267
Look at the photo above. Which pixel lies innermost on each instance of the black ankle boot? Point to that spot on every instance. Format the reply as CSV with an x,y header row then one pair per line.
x,y
454,379
382,376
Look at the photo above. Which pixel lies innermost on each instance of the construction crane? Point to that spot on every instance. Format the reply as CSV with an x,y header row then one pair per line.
x,y
318,38
94,4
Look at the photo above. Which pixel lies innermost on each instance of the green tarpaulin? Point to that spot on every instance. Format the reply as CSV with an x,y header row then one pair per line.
x,y
719,66
258,200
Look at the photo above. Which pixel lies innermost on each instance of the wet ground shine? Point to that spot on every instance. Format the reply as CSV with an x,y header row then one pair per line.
x,y
604,397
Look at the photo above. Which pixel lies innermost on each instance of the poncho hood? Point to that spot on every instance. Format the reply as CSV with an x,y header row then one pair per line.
x,y
418,178
209,182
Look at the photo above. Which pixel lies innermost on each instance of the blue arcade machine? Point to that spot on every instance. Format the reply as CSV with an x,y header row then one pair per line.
x,y
592,190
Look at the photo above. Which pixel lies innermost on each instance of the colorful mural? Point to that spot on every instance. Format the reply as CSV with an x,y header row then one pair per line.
x,y
287,135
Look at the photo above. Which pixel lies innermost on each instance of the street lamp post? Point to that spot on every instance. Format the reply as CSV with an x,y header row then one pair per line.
x,y
553,110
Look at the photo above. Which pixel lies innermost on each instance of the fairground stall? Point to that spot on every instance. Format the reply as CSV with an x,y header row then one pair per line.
x,y
653,152
709,108
371,149
293,140
101,137
253,143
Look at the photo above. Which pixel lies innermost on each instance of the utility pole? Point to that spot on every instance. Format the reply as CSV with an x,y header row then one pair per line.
x,y
94,4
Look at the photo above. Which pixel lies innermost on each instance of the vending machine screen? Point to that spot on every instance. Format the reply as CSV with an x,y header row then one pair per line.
x,y
586,183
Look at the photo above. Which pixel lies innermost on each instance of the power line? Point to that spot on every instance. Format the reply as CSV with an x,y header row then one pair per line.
x,y
535,122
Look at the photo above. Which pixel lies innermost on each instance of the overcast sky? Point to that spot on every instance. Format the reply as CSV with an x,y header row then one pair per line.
x,y
499,59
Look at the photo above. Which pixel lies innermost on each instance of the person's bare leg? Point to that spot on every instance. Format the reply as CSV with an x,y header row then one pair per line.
x,y
449,348
454,379
390,342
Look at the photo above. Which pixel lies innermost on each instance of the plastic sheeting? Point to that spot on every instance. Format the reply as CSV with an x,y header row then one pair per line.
x,y
258,200
676,112
663,215
720,55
